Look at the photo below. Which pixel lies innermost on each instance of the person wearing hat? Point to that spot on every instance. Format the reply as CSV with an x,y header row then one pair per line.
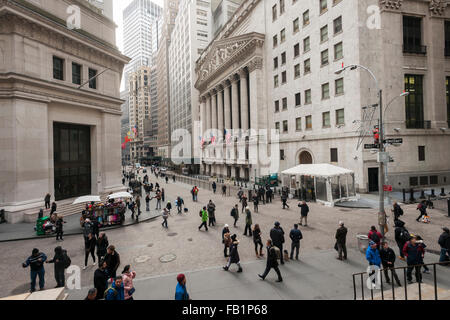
x,y
444,242
181,291
341,239
248,222
226,240
234,254
36,263
373,254
277,236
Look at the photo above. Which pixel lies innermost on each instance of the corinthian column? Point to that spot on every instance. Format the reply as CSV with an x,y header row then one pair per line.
x,y
235,103
202,114
208,112
244,100
214,110
220,112
227,106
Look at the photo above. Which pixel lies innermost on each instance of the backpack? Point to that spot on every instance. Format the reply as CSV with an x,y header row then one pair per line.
x,y
105,294
277,252
233,213
404,235
400,211
200,214
374,237
66,260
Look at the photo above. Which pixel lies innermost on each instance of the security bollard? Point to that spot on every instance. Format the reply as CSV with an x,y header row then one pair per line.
x,y
442,192
422,194
411,196
404,195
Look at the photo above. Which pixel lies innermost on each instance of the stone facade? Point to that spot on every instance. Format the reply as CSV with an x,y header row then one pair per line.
x,y
32,100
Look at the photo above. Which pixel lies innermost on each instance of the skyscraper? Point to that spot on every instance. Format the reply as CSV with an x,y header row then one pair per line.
x,y
138,19
106,7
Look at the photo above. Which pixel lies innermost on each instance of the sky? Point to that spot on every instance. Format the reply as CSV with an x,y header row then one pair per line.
x,y
119,6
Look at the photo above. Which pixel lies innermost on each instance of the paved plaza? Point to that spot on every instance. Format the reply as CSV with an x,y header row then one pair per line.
x,y
143,245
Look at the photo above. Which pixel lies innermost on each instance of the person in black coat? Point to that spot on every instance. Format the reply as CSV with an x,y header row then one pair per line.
x,y
89,248
102,246
59,261
296,236
101,276
272,262
112,260
53,209
402,236
387,256
444,243
397,210
234,254
341,239
277,236
304,210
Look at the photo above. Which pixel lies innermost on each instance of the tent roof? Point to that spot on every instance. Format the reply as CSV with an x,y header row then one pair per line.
x,y
317,170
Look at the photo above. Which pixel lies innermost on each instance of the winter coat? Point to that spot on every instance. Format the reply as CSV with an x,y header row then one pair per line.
x,y
444,240
379,236
412,253
87,229
234,254
397,211
112,261
373,256
304,209
236,213
100,282
387,255
102,246
296,235
400,231
341,235
128,283
181,292
115,293
89,244
277,236
272,259
256,235
204,216
58,259
248,218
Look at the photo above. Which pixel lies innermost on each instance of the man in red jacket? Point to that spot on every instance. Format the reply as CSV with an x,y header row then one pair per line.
x,y
413,253
375,236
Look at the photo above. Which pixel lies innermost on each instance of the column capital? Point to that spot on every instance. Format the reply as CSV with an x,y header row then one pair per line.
x,y
213,92
202,99
242,73
255,63
233,78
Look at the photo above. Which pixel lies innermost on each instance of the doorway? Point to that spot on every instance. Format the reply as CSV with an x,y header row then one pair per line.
x,y
373,180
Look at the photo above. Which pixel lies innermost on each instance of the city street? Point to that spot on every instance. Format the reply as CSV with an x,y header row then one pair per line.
x,y
191,250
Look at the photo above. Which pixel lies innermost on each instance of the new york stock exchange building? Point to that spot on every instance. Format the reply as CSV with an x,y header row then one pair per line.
x,y
60,131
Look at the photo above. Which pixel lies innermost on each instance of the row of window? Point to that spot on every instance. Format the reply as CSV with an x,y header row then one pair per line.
x,y
323,7
326,121
333,155
77,72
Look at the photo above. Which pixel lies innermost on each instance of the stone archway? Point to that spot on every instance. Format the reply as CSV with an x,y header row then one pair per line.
x,y
305,158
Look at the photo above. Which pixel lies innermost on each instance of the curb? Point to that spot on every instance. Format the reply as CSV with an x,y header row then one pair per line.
x,y
81,232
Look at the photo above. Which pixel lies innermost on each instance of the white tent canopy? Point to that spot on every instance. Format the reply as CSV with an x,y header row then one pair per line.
x,y
321,182
120,195
317,170
85,199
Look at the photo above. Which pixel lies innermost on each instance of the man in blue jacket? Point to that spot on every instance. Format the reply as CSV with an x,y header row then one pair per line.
x,y
181,291
116,290
373,255
36,263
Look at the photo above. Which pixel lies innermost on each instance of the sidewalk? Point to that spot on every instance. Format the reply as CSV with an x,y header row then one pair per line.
x,y
317,276
25,231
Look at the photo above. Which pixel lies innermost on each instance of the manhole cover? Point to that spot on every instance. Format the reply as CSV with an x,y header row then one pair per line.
x,y
150,245
172,234
190,239
167,258
142,259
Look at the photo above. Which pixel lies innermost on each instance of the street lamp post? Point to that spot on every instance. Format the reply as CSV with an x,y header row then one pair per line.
x,y
381,174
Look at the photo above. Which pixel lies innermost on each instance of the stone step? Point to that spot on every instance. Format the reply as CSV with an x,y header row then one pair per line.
x,y
52,294
427,293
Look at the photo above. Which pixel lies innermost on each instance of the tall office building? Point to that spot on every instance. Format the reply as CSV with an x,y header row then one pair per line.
x,y
222,11
138,19
190,36
106,7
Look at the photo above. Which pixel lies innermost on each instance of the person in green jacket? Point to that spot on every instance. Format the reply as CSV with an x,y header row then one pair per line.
x,y
248,221
204,215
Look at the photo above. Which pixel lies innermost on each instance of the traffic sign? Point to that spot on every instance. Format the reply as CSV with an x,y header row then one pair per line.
x,y
394,141
371,146
387,188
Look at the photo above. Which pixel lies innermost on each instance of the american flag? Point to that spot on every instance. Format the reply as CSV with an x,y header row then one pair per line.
x,y
227,137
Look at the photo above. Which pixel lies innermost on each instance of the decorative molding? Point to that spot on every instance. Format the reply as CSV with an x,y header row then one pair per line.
x,y
437,7
391,4
255,64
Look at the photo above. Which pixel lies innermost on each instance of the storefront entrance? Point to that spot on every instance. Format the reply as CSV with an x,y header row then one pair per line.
x,y
72,160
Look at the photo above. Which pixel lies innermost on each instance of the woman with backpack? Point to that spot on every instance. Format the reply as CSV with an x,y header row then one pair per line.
x,y
127,277
422,207
62,262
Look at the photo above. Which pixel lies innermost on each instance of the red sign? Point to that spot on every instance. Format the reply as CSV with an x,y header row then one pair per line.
x,y
387,188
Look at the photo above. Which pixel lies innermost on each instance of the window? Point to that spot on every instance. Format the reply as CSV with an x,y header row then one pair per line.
x,y
324,57
281,7
296,50
413,181
283,58
277,126
337,25
447,93
339,86
338,51
285,126
306,18
324,34
76,73
307,66
296,25
423,181
283,77
275,81
325,91
412,35
326,119
414,101
282,157
333,155
275,63
308,96
447,38
298,124
421,153
58,68
275,41
92,80
306,44
433,179
308,121
297,71
283,35
323,6
274,13
340,117
298,99
277,106
285,105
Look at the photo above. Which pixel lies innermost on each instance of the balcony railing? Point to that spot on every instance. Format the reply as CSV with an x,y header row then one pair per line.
x,y
413,124
417,49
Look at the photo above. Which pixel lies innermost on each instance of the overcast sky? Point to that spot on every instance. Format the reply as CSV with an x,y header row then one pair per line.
x,y
119,6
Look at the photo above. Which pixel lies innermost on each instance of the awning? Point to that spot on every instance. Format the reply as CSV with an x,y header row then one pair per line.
x,y
120,195
317,170
86,199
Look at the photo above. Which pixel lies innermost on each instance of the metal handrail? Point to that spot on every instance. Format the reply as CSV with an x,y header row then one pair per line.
x,y
361,274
